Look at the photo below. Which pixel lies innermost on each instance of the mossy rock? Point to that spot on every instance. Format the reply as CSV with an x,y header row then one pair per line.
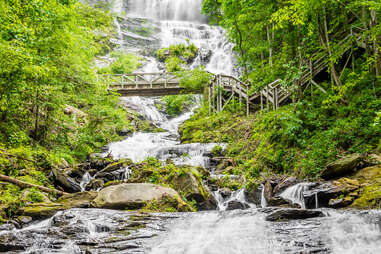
x,y
78,200
370,193
41,210
343,167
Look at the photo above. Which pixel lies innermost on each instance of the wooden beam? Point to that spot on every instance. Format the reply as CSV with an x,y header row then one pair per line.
x,y
30,185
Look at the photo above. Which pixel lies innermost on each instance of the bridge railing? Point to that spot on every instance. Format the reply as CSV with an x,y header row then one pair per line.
x,y
139,80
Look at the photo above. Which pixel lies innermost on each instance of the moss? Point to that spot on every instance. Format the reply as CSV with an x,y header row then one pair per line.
x,y
370,197
115,182
167,204
40,210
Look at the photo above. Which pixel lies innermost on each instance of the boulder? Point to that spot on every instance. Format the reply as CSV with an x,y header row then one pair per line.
x,y
209,204
131,195
343,166
95,184
235,204
254,196
22,220
340,202
293,214
68,183
78,200
40,210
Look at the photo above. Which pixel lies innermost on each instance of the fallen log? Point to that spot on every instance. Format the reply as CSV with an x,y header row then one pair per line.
x,y
30,185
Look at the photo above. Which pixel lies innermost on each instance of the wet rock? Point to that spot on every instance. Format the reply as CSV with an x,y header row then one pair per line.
x,y
95,184
278,201
99,163
209,204
131,195
340,202
321,194
8,226
9,243
268,192
235,204
24,219
254,195
188,184
68,183
293,214
124,132
289,181
343,167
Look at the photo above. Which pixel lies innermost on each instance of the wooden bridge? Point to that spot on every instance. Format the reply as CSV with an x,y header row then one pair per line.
x,y
223,88
143,84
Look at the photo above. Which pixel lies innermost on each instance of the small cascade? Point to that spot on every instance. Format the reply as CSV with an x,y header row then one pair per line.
x,y
237,197
316,201
86,179
127,174
263,199
295,194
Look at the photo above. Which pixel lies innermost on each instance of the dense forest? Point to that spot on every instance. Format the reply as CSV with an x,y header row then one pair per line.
x,y
337,114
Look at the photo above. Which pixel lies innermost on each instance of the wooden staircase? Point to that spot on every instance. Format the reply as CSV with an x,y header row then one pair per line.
x,y
274,93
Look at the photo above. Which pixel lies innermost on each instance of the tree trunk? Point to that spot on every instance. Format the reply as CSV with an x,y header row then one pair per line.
x,y
328,46
30,185
270,47
241,48
376,44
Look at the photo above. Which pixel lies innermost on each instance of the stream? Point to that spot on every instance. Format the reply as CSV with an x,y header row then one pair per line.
x,y
205,232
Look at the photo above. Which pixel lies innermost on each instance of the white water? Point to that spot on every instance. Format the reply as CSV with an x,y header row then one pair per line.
x,y
263,199
245,232
239,196
295,194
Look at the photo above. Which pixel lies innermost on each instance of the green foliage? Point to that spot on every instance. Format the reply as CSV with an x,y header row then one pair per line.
x,y
217,150
47,51
123,64
195,80
175,56
174,64
174,105
186,52
299,139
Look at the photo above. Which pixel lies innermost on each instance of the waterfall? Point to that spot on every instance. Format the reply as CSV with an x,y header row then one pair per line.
x,y
86,179
263,199
152,24
237,196
295,193
184,10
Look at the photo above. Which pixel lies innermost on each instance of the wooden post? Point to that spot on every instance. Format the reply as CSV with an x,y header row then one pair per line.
x,y
220,98
261,100
136,81
247,103
209,99
122,81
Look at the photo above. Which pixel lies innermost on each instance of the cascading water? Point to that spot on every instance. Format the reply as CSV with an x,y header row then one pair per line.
x,y
295,194
153,24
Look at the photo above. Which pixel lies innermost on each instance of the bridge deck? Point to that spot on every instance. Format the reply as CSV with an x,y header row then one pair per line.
x,y
144,84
